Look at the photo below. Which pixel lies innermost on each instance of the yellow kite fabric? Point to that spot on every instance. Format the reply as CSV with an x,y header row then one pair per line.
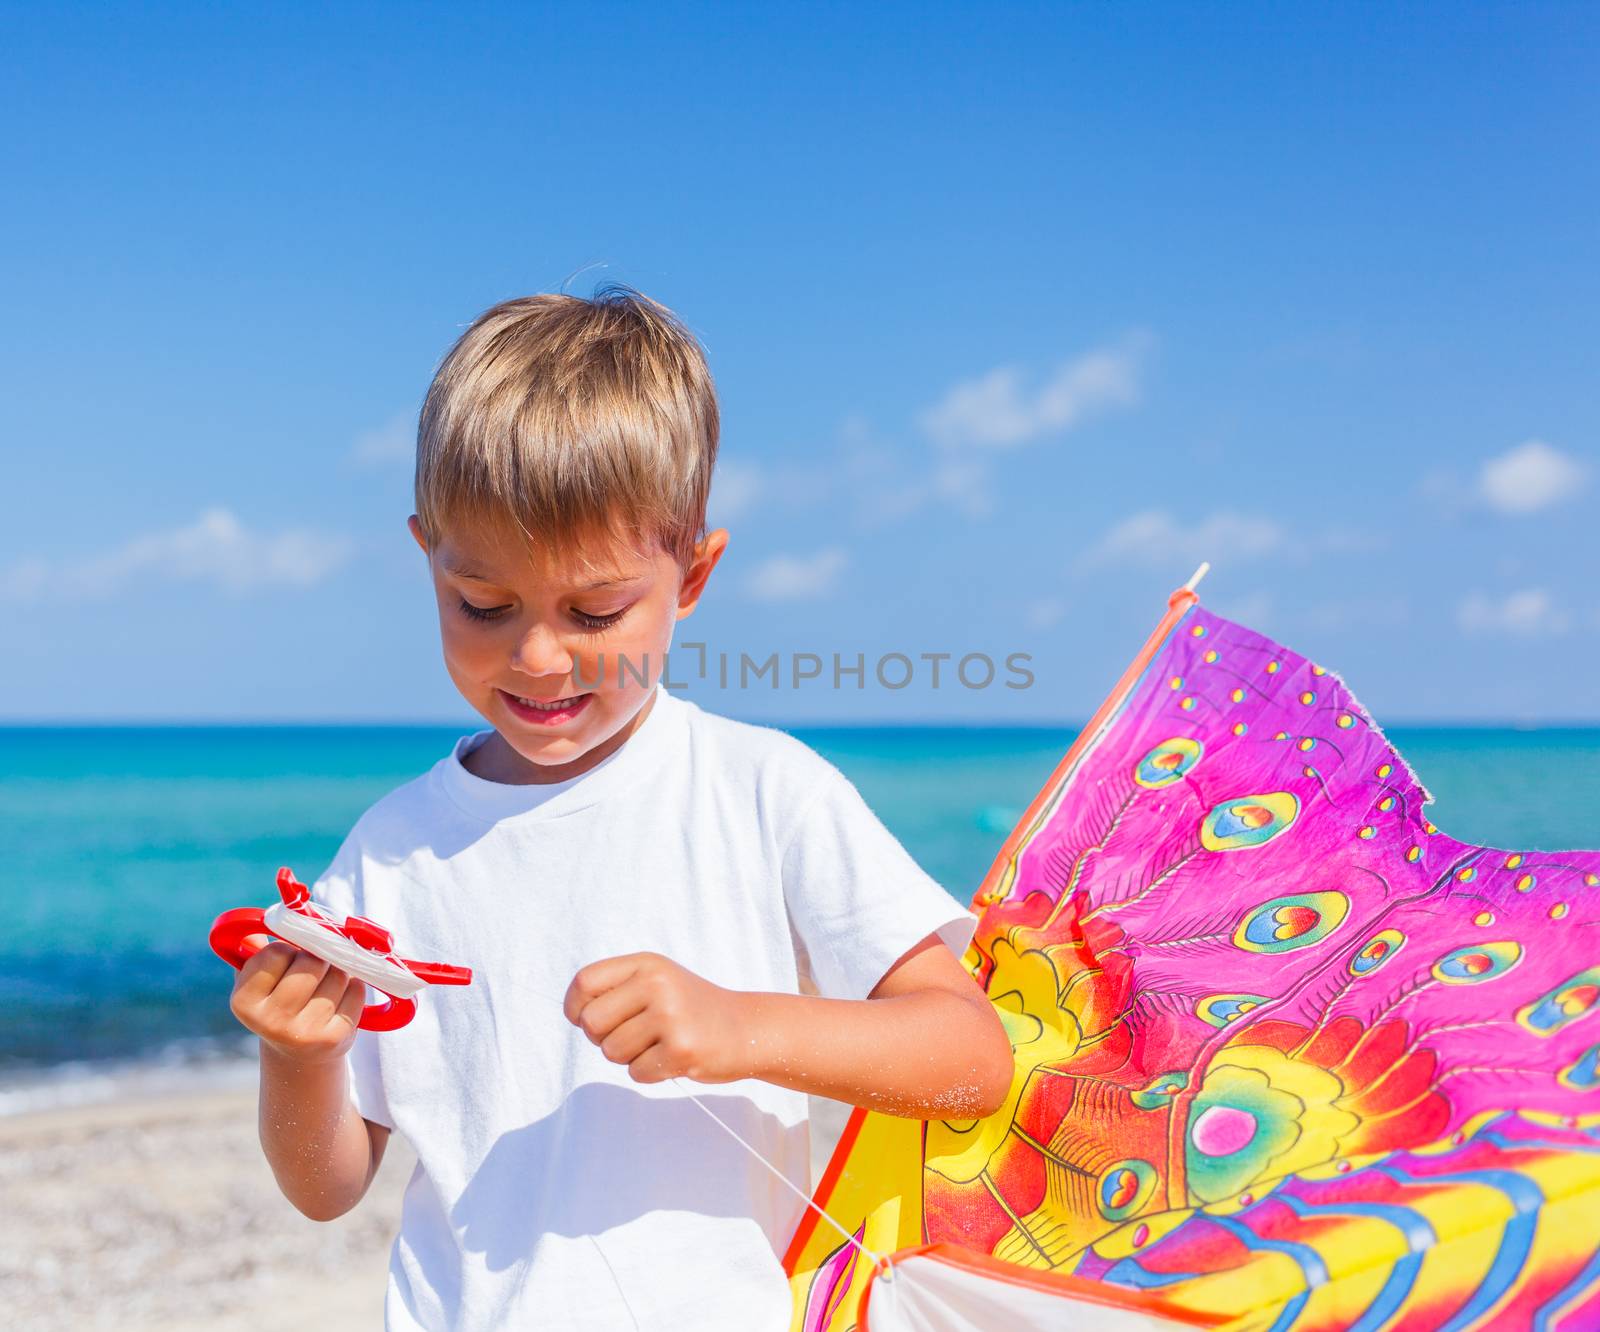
x,y
1287,1056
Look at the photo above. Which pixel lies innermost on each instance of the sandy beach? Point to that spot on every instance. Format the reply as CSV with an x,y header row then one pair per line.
x,y
152,1214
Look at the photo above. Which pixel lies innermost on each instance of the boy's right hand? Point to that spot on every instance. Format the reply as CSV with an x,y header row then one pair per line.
x,y
303,1008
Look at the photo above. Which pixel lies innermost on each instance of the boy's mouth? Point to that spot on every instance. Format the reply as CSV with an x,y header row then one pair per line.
x,y
545,712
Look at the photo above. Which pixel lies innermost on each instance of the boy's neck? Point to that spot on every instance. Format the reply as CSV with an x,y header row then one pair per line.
x,y
496,761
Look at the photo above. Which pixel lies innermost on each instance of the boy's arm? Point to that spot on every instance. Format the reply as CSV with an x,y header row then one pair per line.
x,y
322,1152
926,1045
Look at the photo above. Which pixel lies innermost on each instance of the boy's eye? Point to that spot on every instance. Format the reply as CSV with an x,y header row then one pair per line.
x,y
587,620
482,612
598,621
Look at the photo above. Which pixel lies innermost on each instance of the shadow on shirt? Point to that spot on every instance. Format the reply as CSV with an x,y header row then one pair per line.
x,y
611,1155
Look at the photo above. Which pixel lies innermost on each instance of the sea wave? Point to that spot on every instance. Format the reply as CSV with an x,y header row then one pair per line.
x,y
180,1068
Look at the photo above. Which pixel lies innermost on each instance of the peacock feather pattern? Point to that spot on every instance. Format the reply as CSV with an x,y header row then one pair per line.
x,y
1286,1053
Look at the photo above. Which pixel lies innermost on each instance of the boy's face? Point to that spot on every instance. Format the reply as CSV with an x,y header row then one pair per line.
x,y
521,629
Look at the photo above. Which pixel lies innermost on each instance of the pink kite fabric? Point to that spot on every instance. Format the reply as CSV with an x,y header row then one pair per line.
x,y
1287,1054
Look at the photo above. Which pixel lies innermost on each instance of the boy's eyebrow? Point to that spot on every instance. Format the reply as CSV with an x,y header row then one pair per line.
x,y
468,572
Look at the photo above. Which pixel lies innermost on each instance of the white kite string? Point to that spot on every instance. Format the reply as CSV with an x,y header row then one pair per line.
x,y
778,1174
876,1259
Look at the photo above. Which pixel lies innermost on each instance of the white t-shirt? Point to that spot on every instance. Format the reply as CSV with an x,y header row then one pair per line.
x,y
552,1191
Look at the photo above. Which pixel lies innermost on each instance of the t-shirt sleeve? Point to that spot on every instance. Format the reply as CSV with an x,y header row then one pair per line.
x,y
857,900
339,892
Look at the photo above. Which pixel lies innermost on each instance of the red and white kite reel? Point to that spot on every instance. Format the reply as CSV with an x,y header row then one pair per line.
x,y
359,947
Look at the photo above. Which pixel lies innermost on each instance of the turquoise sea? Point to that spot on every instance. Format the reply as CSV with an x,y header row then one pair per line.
x,y
122,843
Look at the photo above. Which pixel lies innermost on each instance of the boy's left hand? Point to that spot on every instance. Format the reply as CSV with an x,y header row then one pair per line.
x,y
661,1020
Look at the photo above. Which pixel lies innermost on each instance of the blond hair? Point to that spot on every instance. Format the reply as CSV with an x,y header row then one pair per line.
x,y
574,419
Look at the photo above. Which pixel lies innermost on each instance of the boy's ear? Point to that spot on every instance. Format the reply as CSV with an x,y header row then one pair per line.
x,y
416,531
707,551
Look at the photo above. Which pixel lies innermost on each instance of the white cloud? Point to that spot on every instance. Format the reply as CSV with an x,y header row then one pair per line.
x,y
796,577
973,422
1256,609
999,410
962,483
1530,477
1348,541
735,488
216,548
1530,613
393,442
1046,612
1157,539
1362,613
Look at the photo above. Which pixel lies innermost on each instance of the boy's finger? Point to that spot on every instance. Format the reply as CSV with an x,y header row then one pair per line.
x,y
651,1066
600,1017
330,990
299,982
352,1002
630,1040
594,980
261,973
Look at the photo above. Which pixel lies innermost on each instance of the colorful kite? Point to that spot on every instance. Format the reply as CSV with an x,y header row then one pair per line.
x,y
1287,1055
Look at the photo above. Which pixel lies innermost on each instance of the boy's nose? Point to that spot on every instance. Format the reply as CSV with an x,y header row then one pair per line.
x,y
540,653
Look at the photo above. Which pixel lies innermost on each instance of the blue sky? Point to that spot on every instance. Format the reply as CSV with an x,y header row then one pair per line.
x,y
1017,313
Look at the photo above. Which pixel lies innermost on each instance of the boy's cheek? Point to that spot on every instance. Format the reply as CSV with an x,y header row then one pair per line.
x,y
455,657
470,670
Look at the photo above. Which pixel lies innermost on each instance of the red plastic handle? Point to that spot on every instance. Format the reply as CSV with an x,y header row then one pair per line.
x,y
233,940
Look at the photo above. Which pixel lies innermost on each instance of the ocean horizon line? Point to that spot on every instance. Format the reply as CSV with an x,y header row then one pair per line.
x,y
125,724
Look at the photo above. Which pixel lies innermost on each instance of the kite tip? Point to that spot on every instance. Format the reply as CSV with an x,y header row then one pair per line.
x,y
1201,572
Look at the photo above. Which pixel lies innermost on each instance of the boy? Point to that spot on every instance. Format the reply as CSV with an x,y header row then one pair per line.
x,y
637,884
